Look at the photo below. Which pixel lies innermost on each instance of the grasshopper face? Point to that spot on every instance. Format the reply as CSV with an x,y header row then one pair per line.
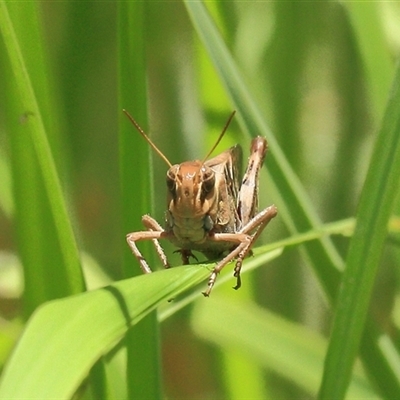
x,y
207,209
191,199
190,187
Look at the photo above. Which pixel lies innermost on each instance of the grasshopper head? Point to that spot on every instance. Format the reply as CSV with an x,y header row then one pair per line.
x,y
190,186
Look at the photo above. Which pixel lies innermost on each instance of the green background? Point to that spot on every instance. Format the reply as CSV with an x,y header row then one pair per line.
x,y
76,177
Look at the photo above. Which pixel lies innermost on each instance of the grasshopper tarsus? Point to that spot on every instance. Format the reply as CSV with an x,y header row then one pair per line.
x,y
236,274
211,282
238,283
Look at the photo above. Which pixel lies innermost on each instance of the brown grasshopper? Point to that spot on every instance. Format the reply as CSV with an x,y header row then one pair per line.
x,y
207,209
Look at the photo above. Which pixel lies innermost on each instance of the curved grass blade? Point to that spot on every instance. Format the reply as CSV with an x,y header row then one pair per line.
x,y
64,338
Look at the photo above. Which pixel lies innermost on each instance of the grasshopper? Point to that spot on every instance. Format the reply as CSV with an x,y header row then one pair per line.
x,y
207,209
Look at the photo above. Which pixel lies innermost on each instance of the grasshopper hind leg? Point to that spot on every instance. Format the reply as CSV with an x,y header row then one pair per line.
x,y
244,240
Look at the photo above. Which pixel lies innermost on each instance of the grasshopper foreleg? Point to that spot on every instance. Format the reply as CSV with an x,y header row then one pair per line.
x,y
154,232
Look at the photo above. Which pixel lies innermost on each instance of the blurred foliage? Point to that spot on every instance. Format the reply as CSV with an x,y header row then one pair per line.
x,y
320,85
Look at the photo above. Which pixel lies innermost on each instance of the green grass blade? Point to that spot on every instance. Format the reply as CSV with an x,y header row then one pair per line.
x,y
6,199
376,204
64,338
366,22
32,135
143,367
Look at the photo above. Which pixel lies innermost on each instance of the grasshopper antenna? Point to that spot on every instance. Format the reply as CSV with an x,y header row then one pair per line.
x,y
220,136
148,140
